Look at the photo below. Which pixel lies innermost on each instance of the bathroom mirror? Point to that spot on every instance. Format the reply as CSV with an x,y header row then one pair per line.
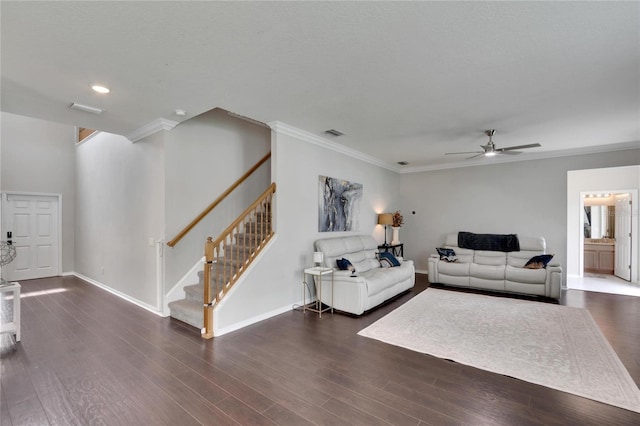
x,y
599,221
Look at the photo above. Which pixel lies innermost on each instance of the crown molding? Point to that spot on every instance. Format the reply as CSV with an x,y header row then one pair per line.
x,y
285,129
151,128
624,146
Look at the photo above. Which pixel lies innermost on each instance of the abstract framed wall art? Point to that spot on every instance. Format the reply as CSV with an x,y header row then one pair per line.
x,y
338,204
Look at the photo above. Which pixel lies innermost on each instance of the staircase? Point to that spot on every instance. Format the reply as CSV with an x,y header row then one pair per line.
x,y
232,252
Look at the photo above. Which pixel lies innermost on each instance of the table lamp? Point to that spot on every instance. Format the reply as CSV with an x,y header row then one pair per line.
x,y
385,219
318,258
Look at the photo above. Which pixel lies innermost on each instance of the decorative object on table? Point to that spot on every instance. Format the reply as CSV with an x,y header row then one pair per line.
x,y
338,204
398,221
551,345
385,219
7,255
318,258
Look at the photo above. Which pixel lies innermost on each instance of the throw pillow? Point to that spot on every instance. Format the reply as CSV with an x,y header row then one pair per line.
x,y
447,254
345,265
539,262
387,258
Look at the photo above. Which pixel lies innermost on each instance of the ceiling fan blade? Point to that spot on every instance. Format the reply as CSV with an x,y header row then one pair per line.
x,y
510,148
478,155
468,152
509,152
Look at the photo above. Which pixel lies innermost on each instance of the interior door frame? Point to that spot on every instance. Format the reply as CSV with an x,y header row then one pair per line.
x,y
635,235
5,200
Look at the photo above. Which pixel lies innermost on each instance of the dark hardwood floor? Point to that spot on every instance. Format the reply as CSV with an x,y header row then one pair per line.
x,y
88,357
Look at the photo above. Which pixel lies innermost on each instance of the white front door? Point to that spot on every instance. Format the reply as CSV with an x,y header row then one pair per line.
x,y
32,225
623,237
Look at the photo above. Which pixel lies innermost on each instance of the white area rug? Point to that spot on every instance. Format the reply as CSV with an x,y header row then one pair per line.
x,y
550,345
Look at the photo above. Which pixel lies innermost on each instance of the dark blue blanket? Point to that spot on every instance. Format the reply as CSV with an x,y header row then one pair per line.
x,y
492,242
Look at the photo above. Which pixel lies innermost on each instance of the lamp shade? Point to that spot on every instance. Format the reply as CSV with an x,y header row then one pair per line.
x,y
385,219
318,257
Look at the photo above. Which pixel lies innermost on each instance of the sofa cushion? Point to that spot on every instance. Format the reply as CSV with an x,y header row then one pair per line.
x,y
456,269
366,265
488,272
380,279
492,258
356,248
529,276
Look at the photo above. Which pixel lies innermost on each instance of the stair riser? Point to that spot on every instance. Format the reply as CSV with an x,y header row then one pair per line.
x,y
177,314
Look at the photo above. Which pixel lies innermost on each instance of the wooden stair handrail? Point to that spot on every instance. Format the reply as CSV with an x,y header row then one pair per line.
x,y
244,214
214,252
217,201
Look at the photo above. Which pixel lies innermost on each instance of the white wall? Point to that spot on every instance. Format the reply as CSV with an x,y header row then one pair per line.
x,y
613,179
204,156
275,283
38,156
527,198
120,205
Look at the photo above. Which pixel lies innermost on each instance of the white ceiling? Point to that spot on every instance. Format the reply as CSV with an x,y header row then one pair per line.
x,y
403,80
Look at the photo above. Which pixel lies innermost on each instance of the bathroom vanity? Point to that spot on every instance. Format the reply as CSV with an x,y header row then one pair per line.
x,y
599,255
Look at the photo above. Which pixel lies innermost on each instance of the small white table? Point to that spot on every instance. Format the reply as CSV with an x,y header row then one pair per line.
x,y
319,272
12,327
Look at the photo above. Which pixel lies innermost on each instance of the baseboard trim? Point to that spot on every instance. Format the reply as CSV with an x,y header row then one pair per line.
x,y
253,320
422,271
121,295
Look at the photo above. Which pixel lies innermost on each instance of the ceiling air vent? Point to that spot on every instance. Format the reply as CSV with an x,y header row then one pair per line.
x,y
403,163
334,132
86,108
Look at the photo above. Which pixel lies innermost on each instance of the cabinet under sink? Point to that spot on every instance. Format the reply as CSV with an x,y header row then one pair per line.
x,y
599,255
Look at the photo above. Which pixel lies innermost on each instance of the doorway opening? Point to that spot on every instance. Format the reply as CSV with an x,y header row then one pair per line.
x,y
599,226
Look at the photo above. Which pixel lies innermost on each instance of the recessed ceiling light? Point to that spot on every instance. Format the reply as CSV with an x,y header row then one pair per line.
x,y
100,89
181,112
403,163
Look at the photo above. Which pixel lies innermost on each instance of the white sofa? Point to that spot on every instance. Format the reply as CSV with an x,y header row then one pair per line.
x,y
373,283
496,270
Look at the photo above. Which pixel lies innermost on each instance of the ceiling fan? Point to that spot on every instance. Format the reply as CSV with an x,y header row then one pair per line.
x,y
489,150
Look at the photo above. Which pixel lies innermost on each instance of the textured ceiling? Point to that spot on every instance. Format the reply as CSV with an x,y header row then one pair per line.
x,y
403,80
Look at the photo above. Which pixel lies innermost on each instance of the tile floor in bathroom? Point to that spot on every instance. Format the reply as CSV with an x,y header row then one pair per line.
x,y
603,284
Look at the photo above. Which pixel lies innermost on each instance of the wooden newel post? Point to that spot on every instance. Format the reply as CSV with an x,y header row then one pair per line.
x,y
208,309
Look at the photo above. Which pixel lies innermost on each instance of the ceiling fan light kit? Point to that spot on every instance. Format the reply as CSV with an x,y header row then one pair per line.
x,y
490,150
